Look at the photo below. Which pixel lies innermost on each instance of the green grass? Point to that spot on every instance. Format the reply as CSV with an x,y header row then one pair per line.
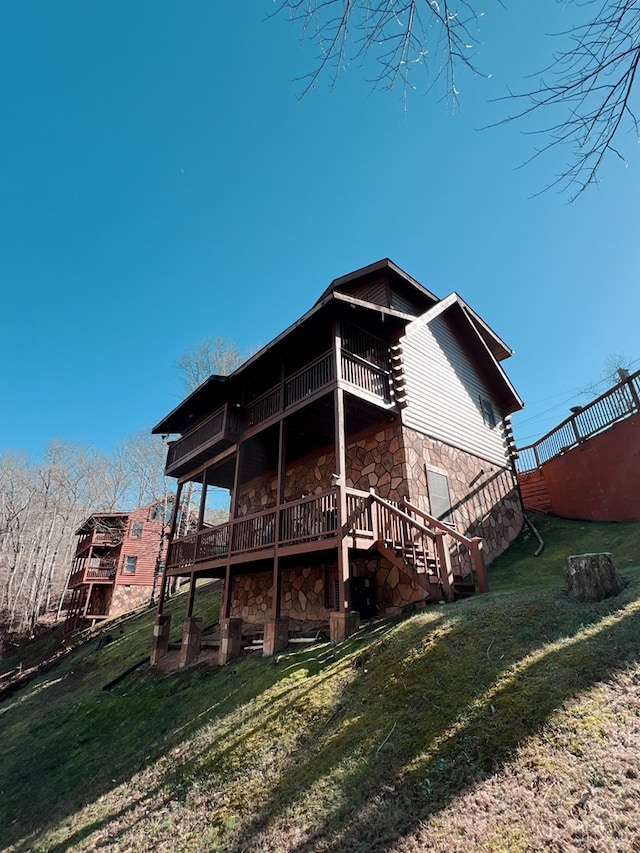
x,y
473,726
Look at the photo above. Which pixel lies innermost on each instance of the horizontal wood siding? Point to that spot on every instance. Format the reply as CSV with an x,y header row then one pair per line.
x,y
144,547
443,391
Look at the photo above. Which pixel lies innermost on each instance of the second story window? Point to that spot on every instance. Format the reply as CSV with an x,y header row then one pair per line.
x,y
130,564
488,413
136,529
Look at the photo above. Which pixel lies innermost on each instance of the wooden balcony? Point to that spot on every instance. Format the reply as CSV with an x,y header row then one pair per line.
x,y
310,522
99,539
218,431
227,425
102,572
406,535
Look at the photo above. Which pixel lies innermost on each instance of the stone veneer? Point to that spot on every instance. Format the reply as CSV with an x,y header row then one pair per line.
x,y
302,596
395,588
376,459
127,598
484,495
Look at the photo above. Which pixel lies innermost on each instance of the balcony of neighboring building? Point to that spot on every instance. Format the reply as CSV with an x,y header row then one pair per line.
x,y
99,535
99,570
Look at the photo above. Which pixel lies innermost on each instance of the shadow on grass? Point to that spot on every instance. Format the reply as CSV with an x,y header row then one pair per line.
x,y
380,778
351,746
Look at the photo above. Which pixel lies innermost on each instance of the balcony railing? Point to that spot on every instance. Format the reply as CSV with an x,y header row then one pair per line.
x,y
100,539
429,545
314,377
614,405
223,424
309,519
363,371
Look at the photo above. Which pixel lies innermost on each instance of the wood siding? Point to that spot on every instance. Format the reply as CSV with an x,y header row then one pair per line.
x,y
444,391
144,548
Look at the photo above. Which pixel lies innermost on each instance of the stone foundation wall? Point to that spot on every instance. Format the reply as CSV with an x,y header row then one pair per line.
x,y
377,460
127,598
306,476
303,594
484,496
394,587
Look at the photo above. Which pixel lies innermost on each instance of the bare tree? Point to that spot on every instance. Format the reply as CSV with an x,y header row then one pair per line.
x,y
211,356
587,91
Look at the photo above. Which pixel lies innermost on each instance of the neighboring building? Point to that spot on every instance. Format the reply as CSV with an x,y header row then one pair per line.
x,y
118,558
364,449
588,467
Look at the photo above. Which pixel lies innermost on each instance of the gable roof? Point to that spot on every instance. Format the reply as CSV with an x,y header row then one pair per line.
x,y
481,340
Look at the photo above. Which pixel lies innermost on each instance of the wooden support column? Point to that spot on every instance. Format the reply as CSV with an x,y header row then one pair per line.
x,y
341,467
478,563
225,604
172,532
192,595
444,565
276,604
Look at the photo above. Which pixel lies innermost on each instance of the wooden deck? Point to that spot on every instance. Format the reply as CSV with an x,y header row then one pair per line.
x,y
227,425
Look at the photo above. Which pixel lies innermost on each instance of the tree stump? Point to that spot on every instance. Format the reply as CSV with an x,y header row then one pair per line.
x,y
591,577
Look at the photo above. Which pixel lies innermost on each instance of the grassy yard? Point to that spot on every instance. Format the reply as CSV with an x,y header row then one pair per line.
x,y
506,722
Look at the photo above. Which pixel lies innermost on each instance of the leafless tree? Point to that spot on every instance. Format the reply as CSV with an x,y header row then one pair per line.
x,y
206,358
589,92
585,99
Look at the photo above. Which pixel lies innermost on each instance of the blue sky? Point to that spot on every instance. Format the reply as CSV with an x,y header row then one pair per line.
x,y
162,183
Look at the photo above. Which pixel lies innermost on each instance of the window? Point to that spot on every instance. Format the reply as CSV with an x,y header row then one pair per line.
x,y
487,412
439,500
136,529
130,565
155,513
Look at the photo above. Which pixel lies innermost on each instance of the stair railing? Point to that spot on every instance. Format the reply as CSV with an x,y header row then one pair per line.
x,y
474,544
399,529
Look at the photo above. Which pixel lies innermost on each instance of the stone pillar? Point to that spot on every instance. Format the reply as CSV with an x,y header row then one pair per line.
x,y
191,633
276,635
343,624
161,631
230,639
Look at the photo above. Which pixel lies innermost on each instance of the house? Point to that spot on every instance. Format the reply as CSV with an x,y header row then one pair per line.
x,y
367,452
118,558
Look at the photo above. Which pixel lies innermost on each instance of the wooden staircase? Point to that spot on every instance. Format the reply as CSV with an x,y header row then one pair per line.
x,y
446,563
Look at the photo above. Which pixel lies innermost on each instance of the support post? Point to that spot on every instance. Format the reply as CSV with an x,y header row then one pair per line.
x,y
230,639
340,450
161,632
192,595
276,635
444,565
478,563
191,636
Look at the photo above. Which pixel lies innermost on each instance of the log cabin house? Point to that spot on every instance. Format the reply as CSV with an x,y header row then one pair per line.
x,y
367,452
117,562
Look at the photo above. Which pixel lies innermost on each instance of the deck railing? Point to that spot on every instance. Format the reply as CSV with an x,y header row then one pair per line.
x,y
224,422
421,540
614,405
313,377
309,519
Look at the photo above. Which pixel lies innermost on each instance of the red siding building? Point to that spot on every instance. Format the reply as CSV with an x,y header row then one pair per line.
x,y
117,562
